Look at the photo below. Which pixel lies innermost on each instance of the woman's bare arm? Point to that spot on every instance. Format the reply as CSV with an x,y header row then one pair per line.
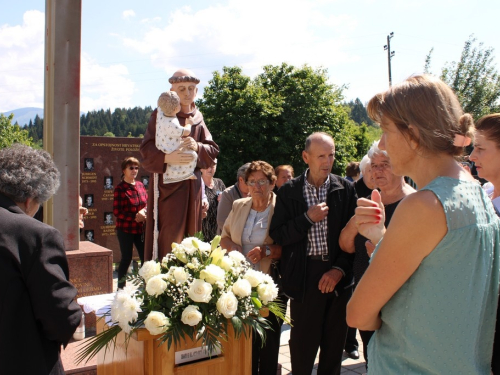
x,y
418,225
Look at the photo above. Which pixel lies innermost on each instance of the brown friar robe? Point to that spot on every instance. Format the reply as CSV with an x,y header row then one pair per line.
x,y
179,204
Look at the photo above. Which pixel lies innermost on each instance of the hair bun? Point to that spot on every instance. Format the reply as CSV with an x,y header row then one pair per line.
x,y
466,125
466,120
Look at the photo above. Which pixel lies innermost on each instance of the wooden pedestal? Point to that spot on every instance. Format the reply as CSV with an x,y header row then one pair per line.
x,y
143,356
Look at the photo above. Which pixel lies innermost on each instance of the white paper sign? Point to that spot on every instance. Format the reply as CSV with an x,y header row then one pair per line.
x,y
194,354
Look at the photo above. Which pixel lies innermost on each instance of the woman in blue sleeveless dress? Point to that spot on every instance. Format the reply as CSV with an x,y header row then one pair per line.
x,y
431,289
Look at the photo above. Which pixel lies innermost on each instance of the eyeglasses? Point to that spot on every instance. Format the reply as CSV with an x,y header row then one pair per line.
x,y
258,182
133,168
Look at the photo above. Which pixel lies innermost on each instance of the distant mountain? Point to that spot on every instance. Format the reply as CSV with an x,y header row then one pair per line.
x,y
23,115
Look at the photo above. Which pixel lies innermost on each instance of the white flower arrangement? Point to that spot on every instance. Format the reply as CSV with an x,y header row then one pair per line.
x,y
197,290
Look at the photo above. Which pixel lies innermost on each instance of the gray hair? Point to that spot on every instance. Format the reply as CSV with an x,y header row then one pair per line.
x,y
241,171
364,163
27,173
374,150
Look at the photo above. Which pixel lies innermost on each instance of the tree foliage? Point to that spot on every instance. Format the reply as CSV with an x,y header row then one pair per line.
x,y
269,117
428,60
358,113
12,133
368,129
475,79
122,122
373,133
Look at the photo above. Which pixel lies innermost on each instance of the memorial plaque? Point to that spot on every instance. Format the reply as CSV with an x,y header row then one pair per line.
x,y
101,159
91,272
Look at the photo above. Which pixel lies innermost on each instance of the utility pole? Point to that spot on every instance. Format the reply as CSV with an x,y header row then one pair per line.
x,y
390,55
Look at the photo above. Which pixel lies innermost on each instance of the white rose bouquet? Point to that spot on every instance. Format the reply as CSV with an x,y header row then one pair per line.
x,y
197,290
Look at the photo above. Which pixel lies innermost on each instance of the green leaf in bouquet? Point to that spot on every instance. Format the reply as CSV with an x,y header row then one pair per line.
x,y
177,333
199,235
237,325
278,308
92,346
212,337
260,325
256,302
169,303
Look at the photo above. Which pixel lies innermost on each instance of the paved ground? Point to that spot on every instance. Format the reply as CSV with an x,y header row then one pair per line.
x,y
349,366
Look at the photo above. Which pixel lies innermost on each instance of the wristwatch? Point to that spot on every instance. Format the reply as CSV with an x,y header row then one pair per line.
x,y
268,251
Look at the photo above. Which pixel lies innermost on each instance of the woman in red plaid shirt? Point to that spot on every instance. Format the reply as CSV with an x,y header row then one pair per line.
x,y
129,207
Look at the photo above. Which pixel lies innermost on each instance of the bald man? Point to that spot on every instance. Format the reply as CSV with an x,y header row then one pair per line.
x,y
179,204
311,211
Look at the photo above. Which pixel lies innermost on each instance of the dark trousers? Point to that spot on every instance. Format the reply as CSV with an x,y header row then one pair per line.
x,y
366,336
351,344
127,242
265,358
318,322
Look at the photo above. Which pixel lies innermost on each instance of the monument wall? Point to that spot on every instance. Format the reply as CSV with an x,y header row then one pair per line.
x,y
100,172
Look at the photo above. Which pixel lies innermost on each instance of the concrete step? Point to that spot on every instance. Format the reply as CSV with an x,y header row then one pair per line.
x,y
68,356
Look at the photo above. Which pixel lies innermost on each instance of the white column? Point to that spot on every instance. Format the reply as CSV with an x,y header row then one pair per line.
x,y
61,133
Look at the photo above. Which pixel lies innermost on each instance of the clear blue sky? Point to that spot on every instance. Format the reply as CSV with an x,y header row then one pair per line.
x,y
130,48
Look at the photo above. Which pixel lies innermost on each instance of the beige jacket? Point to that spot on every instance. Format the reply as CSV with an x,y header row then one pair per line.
x,y
235,222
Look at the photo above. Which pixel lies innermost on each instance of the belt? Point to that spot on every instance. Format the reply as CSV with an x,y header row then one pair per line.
x,y
322,257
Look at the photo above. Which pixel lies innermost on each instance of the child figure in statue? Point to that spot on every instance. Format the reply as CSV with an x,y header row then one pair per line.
x,y
169,134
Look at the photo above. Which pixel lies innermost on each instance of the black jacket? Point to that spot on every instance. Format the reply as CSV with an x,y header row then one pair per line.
x,y
38,313
289,228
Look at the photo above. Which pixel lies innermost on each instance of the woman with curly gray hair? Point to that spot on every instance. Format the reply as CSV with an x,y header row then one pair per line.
x,y
27,175
39,313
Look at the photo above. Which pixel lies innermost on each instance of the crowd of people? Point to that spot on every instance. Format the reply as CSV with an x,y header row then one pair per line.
x,y
417,271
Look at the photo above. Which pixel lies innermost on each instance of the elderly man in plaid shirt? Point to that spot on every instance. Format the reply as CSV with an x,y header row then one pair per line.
x,y
311,211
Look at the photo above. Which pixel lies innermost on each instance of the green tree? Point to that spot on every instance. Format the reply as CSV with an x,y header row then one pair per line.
x,y
358,112
373,133
428,59
10,133
122,122
268,118
475,79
